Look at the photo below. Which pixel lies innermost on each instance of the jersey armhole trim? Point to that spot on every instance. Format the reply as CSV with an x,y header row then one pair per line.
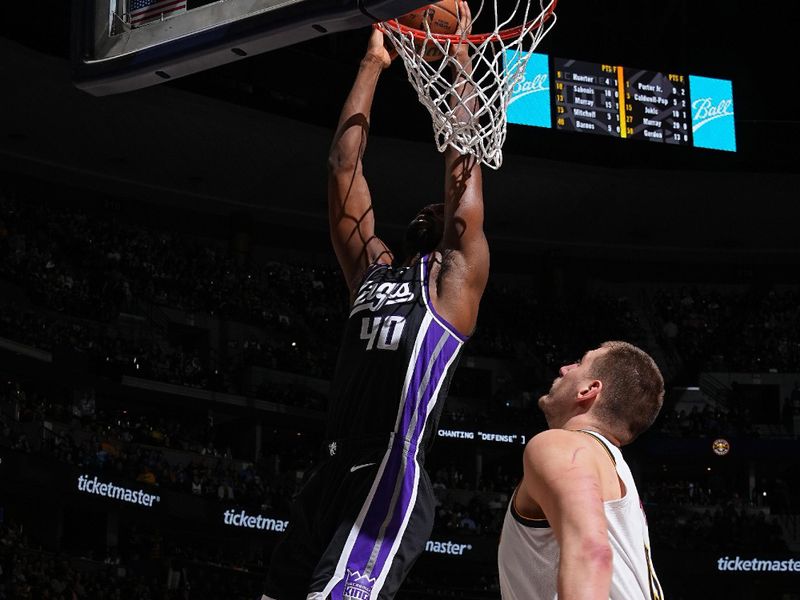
x,y
429,303
622,500
522,519
601,442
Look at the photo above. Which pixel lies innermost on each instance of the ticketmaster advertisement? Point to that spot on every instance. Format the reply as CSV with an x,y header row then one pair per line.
x,y
758,564
94,486
253,520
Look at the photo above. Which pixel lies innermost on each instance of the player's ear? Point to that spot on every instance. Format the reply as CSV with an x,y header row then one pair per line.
x,y
590,391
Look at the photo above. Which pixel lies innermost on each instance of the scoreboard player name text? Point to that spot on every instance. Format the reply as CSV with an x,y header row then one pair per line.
x,y
651,99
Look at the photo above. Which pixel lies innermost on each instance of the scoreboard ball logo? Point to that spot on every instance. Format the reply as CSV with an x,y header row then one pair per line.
x,y
721,447
529,103
713,119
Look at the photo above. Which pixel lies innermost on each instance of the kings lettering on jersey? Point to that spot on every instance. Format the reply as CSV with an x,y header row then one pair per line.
x,y
375,293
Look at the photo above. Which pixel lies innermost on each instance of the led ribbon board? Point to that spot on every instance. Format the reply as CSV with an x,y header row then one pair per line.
x,y
621,102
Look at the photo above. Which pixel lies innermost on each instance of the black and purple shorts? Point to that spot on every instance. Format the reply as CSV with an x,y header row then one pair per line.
x,y
357,526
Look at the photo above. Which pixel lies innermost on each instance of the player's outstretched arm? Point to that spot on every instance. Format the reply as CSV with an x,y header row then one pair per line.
x,y
351,219
563,477
467,250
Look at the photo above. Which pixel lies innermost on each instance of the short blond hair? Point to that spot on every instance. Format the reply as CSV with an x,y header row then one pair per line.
x,y
633,389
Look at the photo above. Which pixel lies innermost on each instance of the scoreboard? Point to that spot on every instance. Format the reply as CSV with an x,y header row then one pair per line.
x,y
626,103
621,102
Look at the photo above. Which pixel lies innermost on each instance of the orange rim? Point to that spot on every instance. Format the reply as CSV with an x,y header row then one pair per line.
x,y
475,38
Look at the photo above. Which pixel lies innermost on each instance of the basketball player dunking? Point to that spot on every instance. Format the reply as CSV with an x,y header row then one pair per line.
x,y
575,528
365,514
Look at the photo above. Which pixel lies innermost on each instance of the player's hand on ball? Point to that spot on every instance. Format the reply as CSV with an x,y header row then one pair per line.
x,y
377,50
461,49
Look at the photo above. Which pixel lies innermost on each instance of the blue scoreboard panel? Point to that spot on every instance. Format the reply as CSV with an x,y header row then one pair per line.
x,y
621,102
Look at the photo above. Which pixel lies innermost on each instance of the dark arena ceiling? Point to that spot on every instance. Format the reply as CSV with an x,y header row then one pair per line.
x,y
253,135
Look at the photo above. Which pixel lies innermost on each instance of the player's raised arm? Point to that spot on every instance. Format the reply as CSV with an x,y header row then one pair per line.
x,y
351,219
563,477
464,243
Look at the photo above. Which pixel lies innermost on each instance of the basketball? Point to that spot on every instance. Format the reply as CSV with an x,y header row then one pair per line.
x,y
440,17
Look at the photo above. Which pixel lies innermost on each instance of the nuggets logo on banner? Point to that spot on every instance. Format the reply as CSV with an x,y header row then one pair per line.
x,y
713,123
530,97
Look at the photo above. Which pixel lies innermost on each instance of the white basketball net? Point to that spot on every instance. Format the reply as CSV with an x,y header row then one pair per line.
x,y
468,109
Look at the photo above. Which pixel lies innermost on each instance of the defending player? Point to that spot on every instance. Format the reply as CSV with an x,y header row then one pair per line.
x,y
575,528
366,513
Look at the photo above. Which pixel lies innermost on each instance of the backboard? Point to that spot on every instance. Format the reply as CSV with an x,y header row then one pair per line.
x,y
123,45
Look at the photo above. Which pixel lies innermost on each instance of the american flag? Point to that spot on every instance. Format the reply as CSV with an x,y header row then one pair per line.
x,y
145,11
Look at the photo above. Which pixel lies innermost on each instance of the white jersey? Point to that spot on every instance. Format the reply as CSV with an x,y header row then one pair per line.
x,y
529,553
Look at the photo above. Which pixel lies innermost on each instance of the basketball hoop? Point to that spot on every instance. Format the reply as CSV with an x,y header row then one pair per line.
x,y
468,105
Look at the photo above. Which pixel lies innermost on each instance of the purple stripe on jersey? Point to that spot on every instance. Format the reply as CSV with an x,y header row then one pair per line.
x,y
338,589
451,346
396,489
411,407
415,427
395,525
429,303
395,467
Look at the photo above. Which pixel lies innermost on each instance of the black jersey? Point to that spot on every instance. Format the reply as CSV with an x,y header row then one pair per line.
x,y
396,358
366,513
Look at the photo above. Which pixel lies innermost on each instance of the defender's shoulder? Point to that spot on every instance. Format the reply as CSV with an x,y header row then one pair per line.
x,y
554,445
